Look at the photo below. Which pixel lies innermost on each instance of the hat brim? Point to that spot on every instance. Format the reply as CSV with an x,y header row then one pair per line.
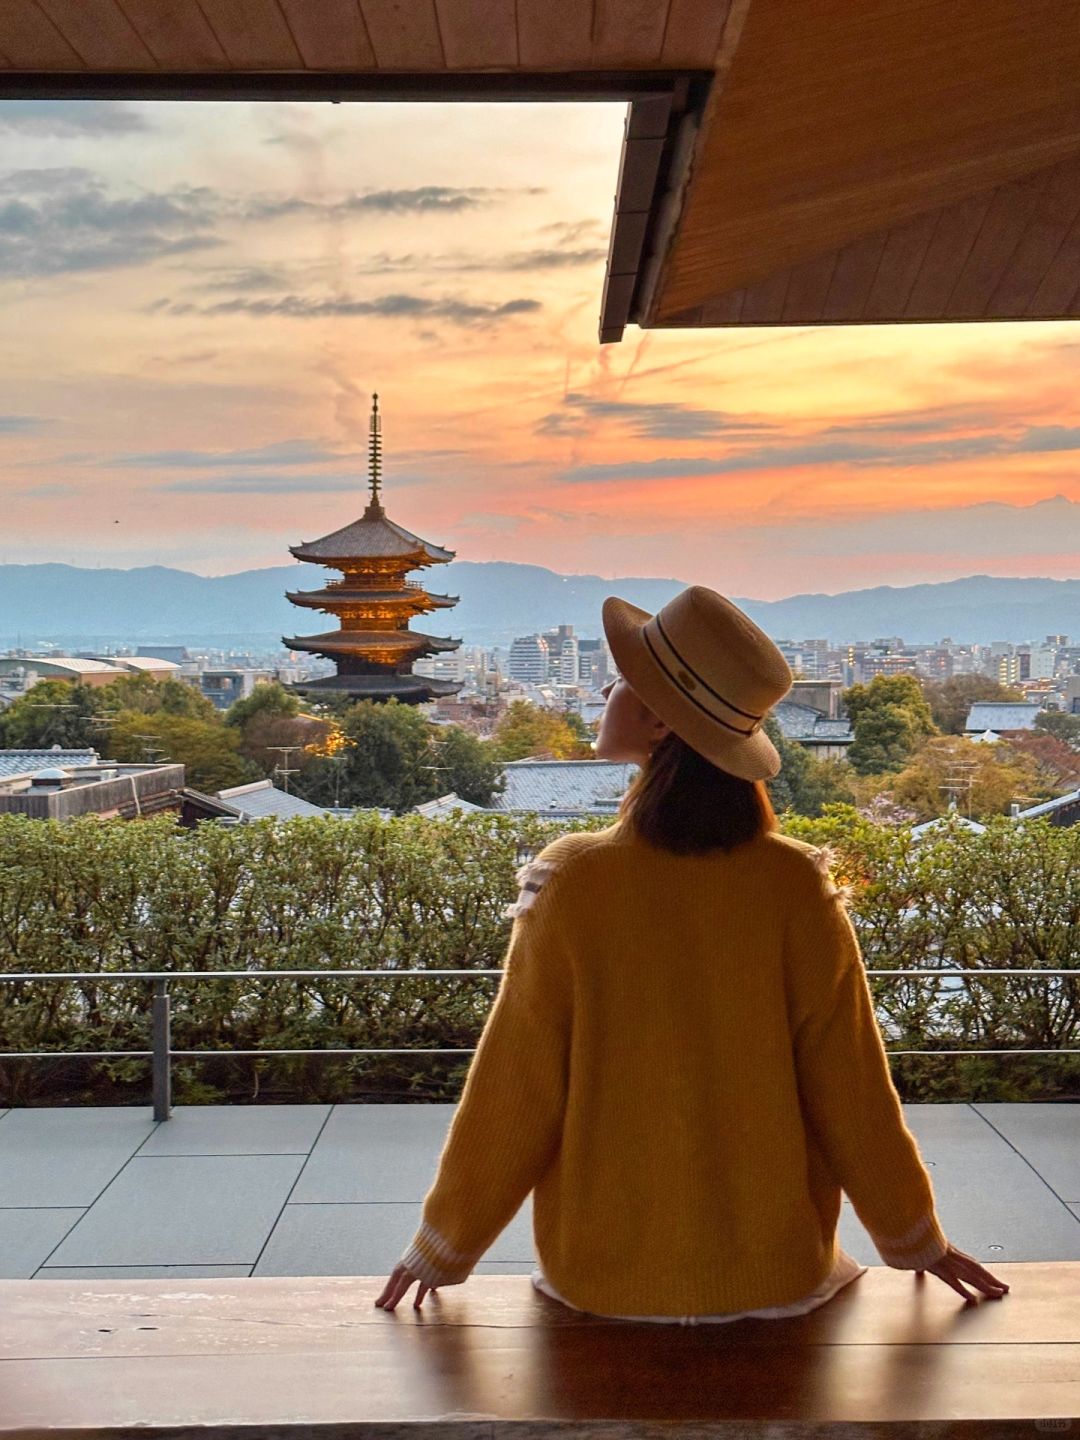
x,y
750,757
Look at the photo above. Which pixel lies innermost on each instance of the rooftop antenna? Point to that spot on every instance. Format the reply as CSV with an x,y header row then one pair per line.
x,y
375,457
283,768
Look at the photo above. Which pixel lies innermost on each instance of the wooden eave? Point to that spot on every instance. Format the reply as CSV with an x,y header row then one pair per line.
x,y
793,162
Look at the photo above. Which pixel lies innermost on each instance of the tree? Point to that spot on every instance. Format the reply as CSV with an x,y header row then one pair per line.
x,y
1057,722
270,698
52,712
950,700
269,719
527,730
383,762
152,697
208,751
891,718
471,767
1058,762
991,781
805,783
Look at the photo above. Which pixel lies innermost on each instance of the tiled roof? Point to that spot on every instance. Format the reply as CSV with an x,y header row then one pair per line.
x,y
1048,807
803,722
68,662
25,762
1002,715
262,798
942,820
372,536
444,805
573,786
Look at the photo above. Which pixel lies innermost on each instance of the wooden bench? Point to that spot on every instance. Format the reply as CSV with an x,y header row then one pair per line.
x,y
274,1359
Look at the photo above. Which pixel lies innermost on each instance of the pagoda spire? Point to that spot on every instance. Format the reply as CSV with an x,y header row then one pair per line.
x,y
374,508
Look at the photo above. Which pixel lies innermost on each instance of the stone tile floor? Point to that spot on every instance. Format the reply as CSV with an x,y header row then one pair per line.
x,y
102,1193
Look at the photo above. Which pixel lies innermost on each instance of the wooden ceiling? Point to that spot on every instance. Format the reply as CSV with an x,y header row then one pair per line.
x,y
886,160
824,162
397,36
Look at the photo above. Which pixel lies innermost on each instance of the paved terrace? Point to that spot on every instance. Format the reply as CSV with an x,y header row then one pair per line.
x,y
302,1190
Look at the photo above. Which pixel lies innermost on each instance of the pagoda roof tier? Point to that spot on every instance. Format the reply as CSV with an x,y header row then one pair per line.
x,y
351,642
413,688
418,598
372,537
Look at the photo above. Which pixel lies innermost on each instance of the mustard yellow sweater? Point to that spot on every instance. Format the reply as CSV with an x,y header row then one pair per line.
x,y
684,1066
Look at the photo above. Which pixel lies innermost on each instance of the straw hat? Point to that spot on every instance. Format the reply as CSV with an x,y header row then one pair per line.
x,y
707,671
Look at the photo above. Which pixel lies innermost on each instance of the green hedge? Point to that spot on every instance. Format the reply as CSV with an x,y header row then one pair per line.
x,y
366,893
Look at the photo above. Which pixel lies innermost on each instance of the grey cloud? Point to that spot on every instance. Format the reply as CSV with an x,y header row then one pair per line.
x,y
21,424
278,484
422,200
656,420
816,451
48,491
281,452
73,224
512,263
1045,438
419,307
72,117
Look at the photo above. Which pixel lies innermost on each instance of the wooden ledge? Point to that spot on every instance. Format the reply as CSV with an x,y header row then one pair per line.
x,y
281,1358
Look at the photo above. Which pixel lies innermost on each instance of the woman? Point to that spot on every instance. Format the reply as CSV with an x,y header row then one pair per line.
x,y
683,1063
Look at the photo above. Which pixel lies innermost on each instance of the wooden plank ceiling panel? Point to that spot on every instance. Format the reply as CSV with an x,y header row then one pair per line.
x,y
901,260
856,270
478,34
1057,209
837,120
1003,226
693,33
31,41
253,34
330,34
554,38
809,286
628,32
955,233
176,34
404,34
100,33
1009,253
1058,292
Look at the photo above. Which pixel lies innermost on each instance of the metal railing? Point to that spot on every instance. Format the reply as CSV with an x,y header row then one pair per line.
x,y
161,1054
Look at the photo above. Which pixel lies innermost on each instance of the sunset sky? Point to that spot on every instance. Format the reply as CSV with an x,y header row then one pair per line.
x,y
198,300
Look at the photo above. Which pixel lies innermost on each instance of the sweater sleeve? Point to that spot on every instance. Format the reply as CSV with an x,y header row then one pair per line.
x,y
846,1089
508,1124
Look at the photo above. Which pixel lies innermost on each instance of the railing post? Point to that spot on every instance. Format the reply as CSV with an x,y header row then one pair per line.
x,y
161,1045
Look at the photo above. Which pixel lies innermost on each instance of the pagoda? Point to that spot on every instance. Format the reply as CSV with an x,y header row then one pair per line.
x,y
373,648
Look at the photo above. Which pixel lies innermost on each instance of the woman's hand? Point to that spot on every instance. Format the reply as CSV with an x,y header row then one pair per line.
x,y
955,1266
398,1286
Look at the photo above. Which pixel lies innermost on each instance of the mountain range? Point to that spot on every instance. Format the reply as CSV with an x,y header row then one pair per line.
x,y
88,608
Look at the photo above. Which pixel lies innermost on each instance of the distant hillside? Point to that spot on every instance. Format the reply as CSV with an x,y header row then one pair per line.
x,y
81,608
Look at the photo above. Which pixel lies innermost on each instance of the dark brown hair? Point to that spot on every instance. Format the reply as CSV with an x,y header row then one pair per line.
x,y
682,802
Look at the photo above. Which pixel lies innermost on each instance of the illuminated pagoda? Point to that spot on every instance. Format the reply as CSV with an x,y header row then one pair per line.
x,y
373,649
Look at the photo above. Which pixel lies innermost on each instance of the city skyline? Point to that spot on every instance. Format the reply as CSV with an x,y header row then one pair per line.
x,y
202,297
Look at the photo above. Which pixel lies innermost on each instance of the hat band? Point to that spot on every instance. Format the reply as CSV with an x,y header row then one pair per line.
x,y
686,678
